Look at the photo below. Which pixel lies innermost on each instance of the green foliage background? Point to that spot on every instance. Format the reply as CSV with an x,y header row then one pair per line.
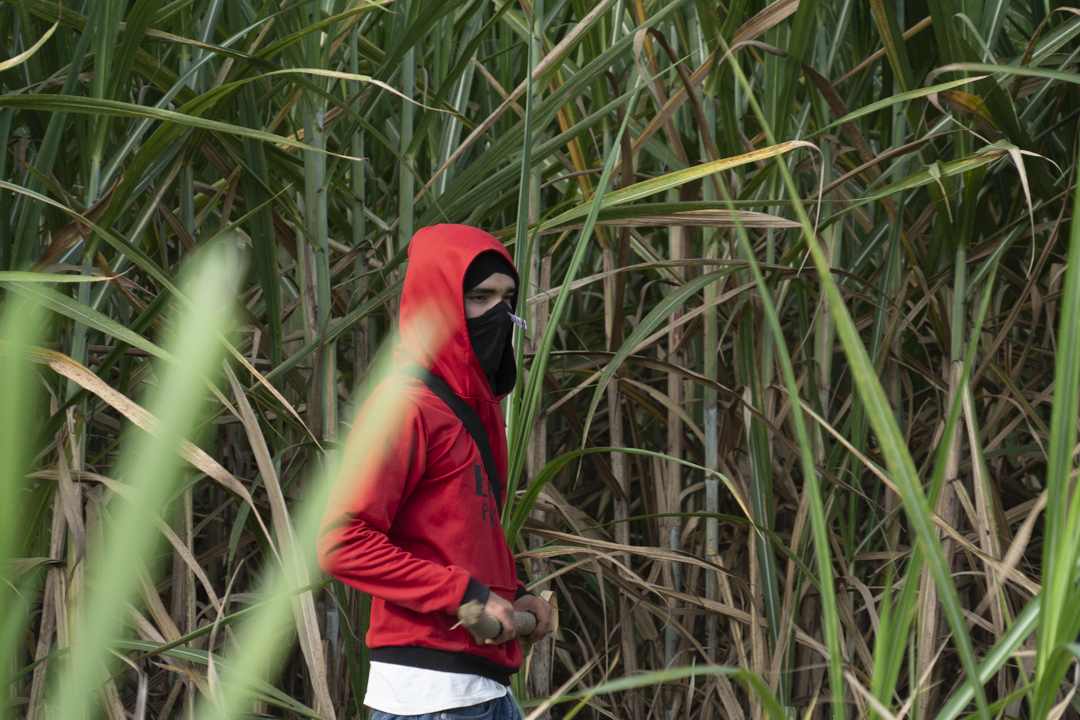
x,y
796,434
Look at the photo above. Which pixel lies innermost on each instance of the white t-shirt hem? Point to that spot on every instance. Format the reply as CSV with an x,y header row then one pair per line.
x,y
406,690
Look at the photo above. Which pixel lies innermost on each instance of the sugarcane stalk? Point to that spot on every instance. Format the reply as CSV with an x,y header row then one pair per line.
x,y
405,129
487,627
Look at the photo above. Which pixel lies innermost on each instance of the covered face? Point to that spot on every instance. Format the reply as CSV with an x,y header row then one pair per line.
x,y
490,292
473,355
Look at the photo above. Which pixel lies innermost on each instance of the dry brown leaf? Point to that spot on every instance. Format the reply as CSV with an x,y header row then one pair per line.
x,y
65,366
293,563
75,231
768,18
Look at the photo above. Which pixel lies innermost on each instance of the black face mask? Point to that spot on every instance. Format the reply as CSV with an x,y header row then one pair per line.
x,y
489,335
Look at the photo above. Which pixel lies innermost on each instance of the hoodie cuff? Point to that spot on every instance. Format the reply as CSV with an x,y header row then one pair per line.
x,y
522,592
477,591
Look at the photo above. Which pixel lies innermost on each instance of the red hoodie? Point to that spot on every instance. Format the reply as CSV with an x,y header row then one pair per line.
x,y
413,519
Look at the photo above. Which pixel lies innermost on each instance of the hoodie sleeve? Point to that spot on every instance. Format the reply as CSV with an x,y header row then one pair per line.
x,y
522,591
384,460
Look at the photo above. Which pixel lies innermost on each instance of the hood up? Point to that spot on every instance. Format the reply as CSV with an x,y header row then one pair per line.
x,y
432,316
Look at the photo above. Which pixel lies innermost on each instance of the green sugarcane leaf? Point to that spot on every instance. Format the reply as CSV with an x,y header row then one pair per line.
x,y
269,692
60,303
1060,619
675,179
551,470
893,100
17,276
113,108
23,56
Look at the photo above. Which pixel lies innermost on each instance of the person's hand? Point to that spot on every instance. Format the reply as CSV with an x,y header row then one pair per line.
x,y
500,609
542,611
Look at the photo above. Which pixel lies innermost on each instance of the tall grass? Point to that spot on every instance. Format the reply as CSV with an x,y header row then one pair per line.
x,y
796,430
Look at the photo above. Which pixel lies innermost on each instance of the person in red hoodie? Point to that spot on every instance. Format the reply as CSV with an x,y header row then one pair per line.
x,y
414,518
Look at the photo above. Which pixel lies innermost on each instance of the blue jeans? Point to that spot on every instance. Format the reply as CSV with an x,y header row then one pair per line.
x,y
504,708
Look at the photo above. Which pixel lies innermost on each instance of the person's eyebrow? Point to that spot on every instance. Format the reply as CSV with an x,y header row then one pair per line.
x,y
490,290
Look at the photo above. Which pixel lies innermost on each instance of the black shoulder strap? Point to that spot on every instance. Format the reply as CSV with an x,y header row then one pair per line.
x,y
468,418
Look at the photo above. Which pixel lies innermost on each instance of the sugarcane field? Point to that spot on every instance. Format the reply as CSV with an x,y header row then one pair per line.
x,y
539,359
